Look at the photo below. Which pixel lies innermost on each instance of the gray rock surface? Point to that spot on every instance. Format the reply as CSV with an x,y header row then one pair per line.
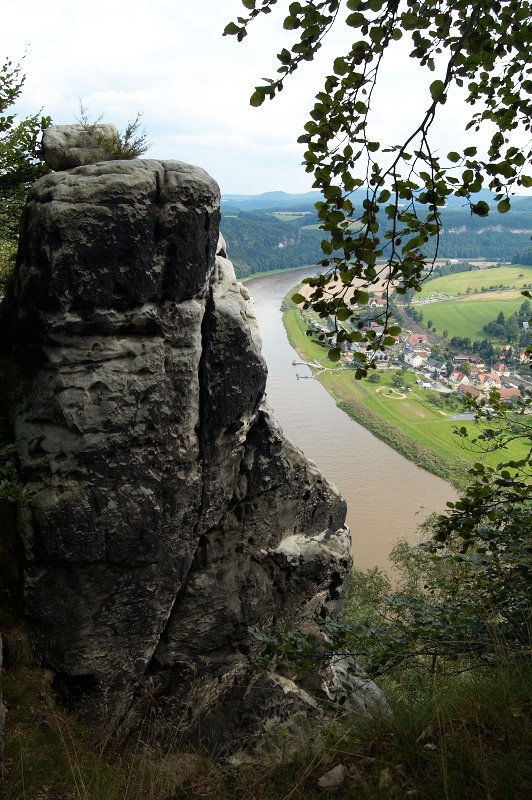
x,y
167,511
68,146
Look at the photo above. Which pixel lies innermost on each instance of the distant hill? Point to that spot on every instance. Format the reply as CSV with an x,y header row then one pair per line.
x,y
284,201
271,201
258,241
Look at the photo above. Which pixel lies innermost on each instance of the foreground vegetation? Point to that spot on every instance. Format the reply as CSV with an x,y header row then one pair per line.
x,y
461,736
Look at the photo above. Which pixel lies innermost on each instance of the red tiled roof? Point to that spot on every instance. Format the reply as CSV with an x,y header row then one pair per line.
x,y
469,390
505,394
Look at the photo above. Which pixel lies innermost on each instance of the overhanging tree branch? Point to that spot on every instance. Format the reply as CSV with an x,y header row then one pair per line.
x,y
383,240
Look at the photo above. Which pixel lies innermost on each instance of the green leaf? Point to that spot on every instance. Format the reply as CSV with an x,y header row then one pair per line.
x,y
298,298
437,89
326,246
373,146
340,66
290,23
356,20
453,156
504,206
481,209
470,151
256,99
342,314
231,29
397,34
334,354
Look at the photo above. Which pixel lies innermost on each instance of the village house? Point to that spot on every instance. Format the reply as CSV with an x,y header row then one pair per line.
x,y
488,381
457,360
437,368
478,361
507,395
465,390
417,339
414,359
501,369
459,378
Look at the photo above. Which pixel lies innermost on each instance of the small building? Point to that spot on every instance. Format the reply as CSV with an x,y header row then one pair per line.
x,y
507,395
437,368
418,338
459,377
373,302
501,369
457,360
465,390
487,381
413,359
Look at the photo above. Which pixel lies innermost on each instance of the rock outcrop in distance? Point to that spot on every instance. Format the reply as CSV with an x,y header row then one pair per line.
x,y
166,512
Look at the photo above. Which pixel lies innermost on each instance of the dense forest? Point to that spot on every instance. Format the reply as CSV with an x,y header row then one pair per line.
x,y
258,241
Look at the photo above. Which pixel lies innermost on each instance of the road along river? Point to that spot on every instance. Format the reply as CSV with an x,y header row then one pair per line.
x,y
387,495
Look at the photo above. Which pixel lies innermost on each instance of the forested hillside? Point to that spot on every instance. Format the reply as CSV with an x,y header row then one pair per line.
x,y
496,237
258,242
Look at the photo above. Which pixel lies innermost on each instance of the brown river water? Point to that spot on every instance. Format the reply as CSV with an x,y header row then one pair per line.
x,y
387,495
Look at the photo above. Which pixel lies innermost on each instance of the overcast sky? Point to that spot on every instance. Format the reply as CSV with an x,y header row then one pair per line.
x,y
168,59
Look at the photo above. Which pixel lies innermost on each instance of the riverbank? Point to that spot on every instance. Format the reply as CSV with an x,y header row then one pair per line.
x,y
405,421
276,272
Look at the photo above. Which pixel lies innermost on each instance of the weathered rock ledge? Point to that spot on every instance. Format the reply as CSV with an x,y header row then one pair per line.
x,y
167,513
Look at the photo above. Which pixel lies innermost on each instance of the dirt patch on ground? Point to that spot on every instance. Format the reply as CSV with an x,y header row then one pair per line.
x,y
334,286
391,394
509,294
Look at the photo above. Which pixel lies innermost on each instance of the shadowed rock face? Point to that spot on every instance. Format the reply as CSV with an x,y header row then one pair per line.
x,y
167,512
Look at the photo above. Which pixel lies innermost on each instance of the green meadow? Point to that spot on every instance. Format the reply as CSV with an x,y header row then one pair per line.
x,y
468,316
413,415
512,277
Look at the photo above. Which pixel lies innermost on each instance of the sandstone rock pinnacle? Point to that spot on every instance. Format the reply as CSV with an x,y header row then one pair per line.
x,y
167,513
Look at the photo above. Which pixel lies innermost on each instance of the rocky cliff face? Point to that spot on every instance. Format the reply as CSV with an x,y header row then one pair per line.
x,y
167,513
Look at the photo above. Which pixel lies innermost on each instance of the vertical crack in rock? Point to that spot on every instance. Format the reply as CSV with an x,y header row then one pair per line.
x,y
167,513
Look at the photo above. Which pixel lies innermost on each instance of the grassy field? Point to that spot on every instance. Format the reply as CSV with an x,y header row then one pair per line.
x,y
413,415
409,412
467,317
514,277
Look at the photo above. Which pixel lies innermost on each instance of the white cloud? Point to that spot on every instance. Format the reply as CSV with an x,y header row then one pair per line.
x,y
169,59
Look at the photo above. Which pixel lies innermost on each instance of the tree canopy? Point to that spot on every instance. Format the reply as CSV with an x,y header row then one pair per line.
x,y
20,160
483,46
